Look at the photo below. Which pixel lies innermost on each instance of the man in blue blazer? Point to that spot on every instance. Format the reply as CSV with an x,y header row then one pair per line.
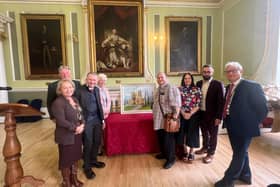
x,y
245,108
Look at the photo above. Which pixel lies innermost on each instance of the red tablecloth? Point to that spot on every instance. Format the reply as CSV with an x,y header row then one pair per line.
x,y
130,134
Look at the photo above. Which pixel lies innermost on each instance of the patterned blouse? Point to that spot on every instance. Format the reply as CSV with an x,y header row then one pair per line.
x,y
191,97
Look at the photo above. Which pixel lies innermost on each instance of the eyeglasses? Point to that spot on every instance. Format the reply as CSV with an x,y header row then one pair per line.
x,y
231,71
206,71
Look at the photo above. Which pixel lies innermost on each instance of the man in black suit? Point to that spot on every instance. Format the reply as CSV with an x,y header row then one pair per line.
x,y
89,98
64,72
211,110
245,108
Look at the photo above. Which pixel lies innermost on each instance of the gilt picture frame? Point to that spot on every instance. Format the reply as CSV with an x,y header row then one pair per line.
x,y
136,98
116,37
183,45
44,45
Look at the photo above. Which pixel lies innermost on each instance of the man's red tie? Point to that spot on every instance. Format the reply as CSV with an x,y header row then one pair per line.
x,y
229,94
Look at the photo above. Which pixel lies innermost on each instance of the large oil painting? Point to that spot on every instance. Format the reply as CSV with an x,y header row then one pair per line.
x,y
44,50
183,45
116,37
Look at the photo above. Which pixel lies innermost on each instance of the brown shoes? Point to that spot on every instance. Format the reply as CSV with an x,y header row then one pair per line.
x,y
201,151
208,159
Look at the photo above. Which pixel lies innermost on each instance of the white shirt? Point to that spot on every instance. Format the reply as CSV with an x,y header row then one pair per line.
x,y
204,89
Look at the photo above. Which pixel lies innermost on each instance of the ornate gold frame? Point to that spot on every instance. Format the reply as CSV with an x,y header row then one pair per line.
x,y
44,45
183,45
126,18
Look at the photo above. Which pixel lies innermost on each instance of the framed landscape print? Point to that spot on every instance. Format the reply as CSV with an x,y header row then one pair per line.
x,y
136,98
116,37
44,50
183,45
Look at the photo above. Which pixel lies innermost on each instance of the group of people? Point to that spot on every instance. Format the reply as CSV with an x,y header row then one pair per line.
x,y
204,105
79,112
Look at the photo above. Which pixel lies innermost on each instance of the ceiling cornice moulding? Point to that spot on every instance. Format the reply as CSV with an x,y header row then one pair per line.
x,y
43,1
184,3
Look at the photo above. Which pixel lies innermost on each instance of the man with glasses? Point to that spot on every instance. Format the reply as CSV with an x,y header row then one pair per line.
x,y
211,110
244,109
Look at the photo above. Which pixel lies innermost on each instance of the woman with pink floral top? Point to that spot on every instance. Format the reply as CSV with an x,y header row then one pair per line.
x,y
189,132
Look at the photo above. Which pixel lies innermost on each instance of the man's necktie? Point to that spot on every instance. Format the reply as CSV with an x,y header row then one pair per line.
x,y
229,94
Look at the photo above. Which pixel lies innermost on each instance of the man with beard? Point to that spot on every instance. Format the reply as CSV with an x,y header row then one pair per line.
x,y
211,111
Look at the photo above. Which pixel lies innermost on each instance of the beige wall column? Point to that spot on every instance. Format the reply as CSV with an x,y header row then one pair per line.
x,y
3,81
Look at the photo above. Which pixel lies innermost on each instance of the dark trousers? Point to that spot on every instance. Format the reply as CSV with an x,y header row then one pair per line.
x,y
91,143
209,133
167,144
239,165
191,127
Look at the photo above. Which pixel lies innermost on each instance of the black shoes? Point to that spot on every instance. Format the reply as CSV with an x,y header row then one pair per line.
x,y
246,180
168,164
98,164
224,183
160,156
89,173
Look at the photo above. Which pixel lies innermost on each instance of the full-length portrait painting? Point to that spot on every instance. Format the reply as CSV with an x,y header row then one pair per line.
x,y
116,37
183,48
43,45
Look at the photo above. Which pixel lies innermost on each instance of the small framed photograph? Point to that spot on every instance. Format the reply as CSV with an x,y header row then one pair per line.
x,y
136,98
183,45
44,47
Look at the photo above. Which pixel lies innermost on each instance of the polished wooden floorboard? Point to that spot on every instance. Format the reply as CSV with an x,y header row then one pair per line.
x,y
39,158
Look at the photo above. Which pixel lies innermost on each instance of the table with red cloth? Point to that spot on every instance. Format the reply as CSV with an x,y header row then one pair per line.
x,y
130,134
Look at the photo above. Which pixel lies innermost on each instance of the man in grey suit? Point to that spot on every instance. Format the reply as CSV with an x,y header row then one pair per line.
x,y
64,73
245,108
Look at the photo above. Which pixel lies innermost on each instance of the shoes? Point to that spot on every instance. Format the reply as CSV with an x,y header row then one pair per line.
x,y
224,183
160,156
98,164
185,157
100,153
246,180
201,151
190,157
168,164
208,159
89,173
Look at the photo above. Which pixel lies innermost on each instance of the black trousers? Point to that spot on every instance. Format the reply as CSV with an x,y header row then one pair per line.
x,y
91,143
209,133
167,144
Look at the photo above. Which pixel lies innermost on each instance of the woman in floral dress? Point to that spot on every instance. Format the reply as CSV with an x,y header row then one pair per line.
x,y
189,132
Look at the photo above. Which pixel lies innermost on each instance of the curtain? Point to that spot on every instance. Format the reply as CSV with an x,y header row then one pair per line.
x,y
268,71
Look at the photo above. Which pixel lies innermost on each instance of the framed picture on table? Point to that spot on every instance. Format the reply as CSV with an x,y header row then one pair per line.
x,y
136,98
116,37
183,45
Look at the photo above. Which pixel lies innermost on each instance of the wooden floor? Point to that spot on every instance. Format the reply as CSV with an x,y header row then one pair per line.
x,y
39,158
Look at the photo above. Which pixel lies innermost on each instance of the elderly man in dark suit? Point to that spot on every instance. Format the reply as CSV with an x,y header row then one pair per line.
x,y
211,110
245,108
89,98
64,74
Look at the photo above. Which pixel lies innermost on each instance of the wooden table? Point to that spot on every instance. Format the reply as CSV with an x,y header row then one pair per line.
x,y
12,147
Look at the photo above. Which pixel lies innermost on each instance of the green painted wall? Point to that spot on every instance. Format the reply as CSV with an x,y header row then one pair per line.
x,y
41,9
244,33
